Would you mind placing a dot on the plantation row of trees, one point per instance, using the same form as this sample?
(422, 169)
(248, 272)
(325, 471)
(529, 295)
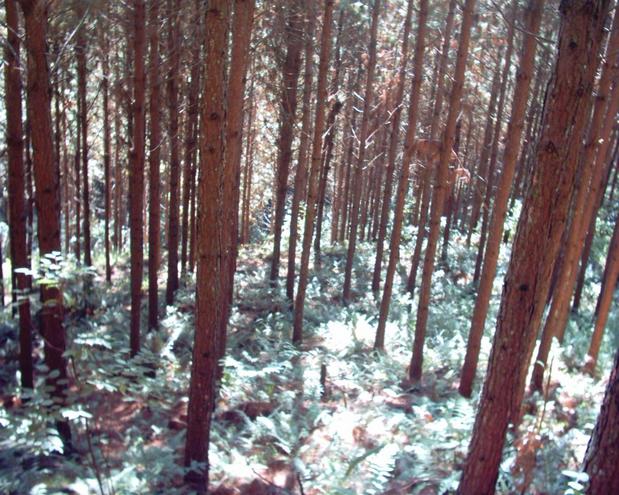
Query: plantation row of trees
(178, 124)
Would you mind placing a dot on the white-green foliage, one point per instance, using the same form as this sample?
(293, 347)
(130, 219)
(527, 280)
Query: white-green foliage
(366, 432)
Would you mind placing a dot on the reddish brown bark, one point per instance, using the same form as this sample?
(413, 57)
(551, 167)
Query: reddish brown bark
(154, 212)
(300, 179)
(191, 136)
(312, 196)
(440, 189)
(602, 457)
(47, 199)
(210, 246)
(241, 36)
(510, 156)
(174, 139)
(16, 188)
(136, 174)
(288, 107)
(605, 300)
(357, 186)
(107, 151)
(81, 49)
(409, 148)
(589, 185)
(536, 243)
(420, 216)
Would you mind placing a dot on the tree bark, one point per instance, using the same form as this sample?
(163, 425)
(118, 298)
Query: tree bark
(392, 152)
(81, 49)
(312, 196)
(47, 199)
(536, 243)
(16, 188)
(605, 300)
(154, 154)
(363, 135)
(210, 243)
(602, 457)
(300, 178)
(438, 197)
(175, 166)
(590, 183)
(510, 157)
(288, 108)
(409, 148)
(136, 174)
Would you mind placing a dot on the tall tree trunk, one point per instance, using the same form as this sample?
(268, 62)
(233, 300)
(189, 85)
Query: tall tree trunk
(288, 107)
(438, 197)
(210, 245)
(312, 195)
(175, 167)
(423, 199)
(47, 198)
(605, 300)
(16, 188)
(300, 178)
(136, 173)
(191, 137)
(590, 183)
(154, 218)
(510, 157)
(392, 152)
(241, 36)
(107, 152)
(324, 175)
(602, 457)
(586, 250)
(363, 135)
(498, 127)
(536, 244)
(409, 148)
(81, 49)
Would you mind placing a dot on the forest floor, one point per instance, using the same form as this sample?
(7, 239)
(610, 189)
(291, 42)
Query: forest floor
(330, 417)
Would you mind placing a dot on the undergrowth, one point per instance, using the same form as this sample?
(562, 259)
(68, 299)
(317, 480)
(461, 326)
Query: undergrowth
(331, 416)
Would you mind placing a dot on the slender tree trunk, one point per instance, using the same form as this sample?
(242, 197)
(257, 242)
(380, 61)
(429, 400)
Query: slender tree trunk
(154, 218)
(249, 163)
(312, 196)
(47, 199)
(288, 108)
(241, 36)
(363, 135)
(423, 199)
(536, 243)
(409, 148)
(605, 300)
(81, 48)
(210, 246)
(107, 152)
(78, 187)
(479, 183)
(175, 167)
(324, 176)
(510, 157)
(191, 138)
(586, 250)
(438, 197)
(16, 187)
(498, 127)
(301, 174)
(136, 174)
(602, 457)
